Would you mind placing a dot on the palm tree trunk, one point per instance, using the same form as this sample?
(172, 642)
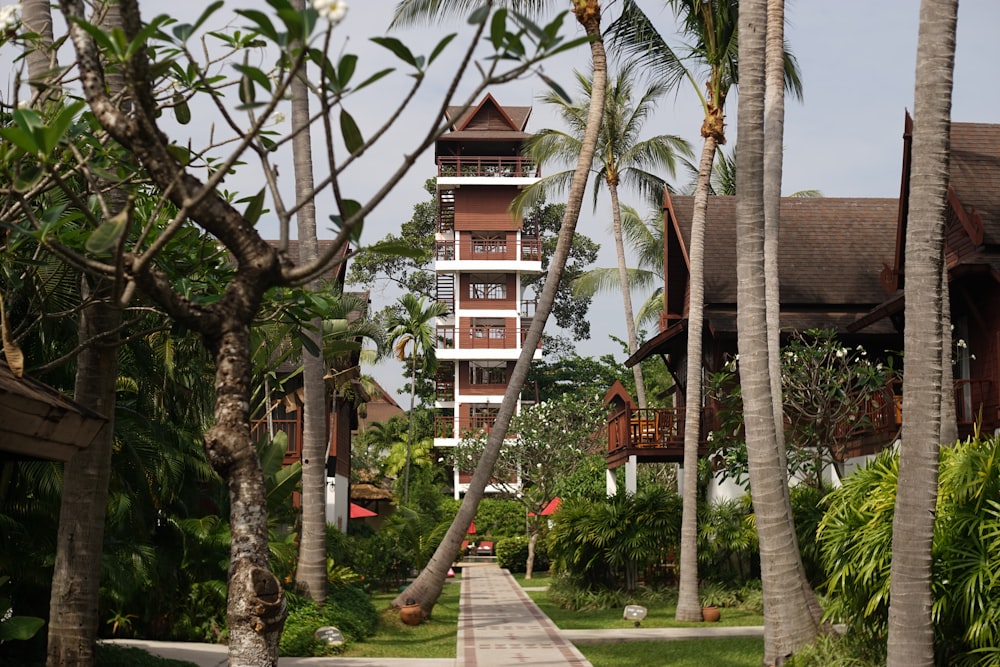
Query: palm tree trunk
(310, 574)
(409, 432)
(911, 632)
(426, 588)
(688, 602)
(788, 623)
(76, 577)
(774, 131)
(949, 420)
(36, 17)
(633, 339)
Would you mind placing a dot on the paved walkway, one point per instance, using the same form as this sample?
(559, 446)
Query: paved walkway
(498, 626)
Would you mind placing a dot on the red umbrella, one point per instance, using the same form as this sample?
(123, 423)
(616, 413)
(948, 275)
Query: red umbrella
(550, 508)
(359, 512)
(472, 529)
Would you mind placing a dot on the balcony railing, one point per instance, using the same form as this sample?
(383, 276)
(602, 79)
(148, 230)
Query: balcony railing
(484, 337)
(527, 249)
(450, 427)
(509, 167)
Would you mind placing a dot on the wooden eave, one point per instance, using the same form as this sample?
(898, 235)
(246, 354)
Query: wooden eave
(40, 423)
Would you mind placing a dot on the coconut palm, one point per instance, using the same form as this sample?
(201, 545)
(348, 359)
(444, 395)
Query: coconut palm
(413, 326)
(621, 159)
(789, 623)
(645, 239)
(712, 56)
(911, 634)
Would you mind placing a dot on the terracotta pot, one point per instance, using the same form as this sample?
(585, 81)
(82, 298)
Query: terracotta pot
(411, 614)
(710, 614)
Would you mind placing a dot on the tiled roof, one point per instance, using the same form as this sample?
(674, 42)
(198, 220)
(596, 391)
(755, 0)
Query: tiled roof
(975, 172)
(831, 250)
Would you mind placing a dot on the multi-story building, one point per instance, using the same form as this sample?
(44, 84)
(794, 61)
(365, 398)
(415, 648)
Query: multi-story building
(483, 252)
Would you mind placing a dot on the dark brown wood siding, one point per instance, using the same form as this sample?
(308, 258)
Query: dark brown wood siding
(485, 207)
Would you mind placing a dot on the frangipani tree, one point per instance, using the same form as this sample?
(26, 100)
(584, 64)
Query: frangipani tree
(548, 442)
(163, 76)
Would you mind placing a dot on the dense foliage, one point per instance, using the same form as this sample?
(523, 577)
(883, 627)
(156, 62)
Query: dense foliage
(855, 538)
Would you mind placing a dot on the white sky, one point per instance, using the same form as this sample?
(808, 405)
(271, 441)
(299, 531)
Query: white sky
(857, 61)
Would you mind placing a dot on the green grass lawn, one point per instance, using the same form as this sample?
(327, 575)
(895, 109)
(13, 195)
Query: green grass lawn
(437, 637)
(728, 652)
(434, 638)
(611, 619)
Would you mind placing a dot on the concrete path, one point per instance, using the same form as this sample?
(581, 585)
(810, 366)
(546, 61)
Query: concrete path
(498, 626)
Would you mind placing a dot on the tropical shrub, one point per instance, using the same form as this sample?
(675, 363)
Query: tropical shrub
(855, 540)
(727, 541)
(497, 517)
(512, 554)
(607, 543)
(565, 592)
(348, 608)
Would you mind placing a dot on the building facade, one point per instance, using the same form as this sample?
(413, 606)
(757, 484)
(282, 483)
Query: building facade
(483, 250)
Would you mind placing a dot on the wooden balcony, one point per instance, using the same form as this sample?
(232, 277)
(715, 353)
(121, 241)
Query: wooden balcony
(446, 426)
(499, 166)
(485, 337)
(527, 249)
(652, 435)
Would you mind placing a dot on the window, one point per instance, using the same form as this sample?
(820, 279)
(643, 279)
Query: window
(487, 372)
(489, 243)
(488, 286)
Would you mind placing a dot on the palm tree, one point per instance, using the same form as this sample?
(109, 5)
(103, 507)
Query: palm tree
(426, 588)
(645, 239)
(713, 28)
(621, 159)
(911, 633)
(310, 574)
(412, 326)
(788, 620)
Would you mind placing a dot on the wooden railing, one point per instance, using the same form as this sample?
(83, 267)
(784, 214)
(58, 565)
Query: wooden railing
(509, 167)
(450, 427)
(484, 337)
(527, 249)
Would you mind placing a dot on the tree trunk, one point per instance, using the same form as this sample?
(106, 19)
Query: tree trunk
(75, 595)
(774, 132)
(310, 573)
(949, 419)
(529, 566)
(256, 607)
(911, 632)
(76, 578)
(36, 17)
(688, 600)
(788, 623)
(633, 339)
(426, 588)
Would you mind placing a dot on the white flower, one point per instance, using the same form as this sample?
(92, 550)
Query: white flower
(960, 343)
(10, 17)
(279, 118)
(841, 353)
(333, 11)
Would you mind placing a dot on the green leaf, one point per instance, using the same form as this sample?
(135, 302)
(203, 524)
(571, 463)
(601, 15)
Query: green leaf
(351, 132)
(107, 233)
(498, 28)
(479, 15)
(445, 41)
(397, 249)
(255, 74)
(182, 112)
(255, 207)
(262, 24)
(248, 93)
(20, 138)
(397, 47)
(20, 627)
(345, 70)
(308, 344)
